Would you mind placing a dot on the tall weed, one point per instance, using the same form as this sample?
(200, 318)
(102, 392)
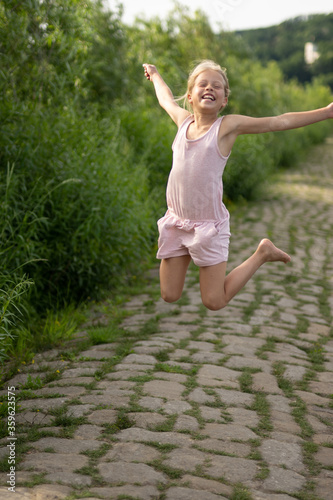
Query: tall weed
(12, 309)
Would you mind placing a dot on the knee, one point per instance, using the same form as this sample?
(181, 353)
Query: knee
(169, 296)
(214, 303)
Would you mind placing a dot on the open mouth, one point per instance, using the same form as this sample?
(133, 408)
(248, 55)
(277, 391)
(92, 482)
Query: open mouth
(208, 97)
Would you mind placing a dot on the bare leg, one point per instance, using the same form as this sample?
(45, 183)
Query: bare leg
(172, 277)
(217, 290)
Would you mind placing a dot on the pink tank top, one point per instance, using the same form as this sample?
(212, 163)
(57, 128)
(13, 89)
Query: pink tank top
(195, 186)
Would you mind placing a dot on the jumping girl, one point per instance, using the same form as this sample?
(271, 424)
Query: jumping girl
(196, 224)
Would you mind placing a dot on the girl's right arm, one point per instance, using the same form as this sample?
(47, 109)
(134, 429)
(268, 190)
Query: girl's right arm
(165, 96)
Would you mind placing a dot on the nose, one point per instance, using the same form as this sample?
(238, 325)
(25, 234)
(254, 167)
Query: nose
(209, 88)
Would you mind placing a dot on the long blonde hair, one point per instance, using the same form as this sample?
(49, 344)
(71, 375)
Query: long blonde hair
(199, 68)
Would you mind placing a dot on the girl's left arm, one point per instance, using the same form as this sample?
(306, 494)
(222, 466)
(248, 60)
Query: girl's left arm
(239, 124)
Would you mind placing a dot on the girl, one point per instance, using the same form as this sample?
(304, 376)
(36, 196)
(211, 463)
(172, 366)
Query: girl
(196, 224)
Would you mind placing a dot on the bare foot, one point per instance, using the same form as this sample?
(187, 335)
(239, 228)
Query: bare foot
(271, 253)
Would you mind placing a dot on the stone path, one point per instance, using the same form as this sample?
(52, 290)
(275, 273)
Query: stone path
(235, 404)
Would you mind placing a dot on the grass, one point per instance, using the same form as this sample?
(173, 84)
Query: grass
(62, 419)
(190, 384)
(299, 412)
(324, 305)
(171, 472)
(316, 355)
(283, 383)
(41, 335)
(262, 407)
(245, 381)
(162, 367)
(167, 425)
(11, 311)
(162, 447)
(250, 309)
(162, 356)
(309, 449)
(268, 346)
(122, 422)
(32, 383)
(241, 492)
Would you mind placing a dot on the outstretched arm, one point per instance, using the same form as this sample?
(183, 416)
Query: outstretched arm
(287, 121)
(165, 96)
(234, 125)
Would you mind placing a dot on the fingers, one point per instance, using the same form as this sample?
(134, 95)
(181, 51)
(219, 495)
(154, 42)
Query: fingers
(145, 66)
(149, 69)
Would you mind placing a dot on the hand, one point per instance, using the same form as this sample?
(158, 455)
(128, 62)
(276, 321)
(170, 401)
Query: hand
(149, 69)
(330, 110)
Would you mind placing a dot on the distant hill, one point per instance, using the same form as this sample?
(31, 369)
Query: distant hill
(285, 44)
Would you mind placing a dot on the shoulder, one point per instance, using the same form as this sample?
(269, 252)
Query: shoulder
(185, 119)
(229, 123)
(182, 127)
(234, 125)
(183, 116)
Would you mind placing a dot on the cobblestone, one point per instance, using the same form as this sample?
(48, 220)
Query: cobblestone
(211, 400)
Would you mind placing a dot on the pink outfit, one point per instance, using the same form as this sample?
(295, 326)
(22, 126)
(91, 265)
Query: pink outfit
(197, 221)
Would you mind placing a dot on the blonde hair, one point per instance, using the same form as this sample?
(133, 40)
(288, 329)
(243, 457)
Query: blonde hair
(207, 64)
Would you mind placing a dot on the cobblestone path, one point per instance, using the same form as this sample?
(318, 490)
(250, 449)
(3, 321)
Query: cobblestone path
(235, 404)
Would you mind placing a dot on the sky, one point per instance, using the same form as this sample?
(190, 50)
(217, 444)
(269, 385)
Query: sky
(229, 15)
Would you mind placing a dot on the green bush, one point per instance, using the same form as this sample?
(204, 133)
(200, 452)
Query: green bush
(248, 167)
(151, 133)
(78, 210)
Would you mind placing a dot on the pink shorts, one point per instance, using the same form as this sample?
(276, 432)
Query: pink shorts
(207, 242)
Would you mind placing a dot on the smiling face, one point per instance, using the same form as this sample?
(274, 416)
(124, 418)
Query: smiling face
(208, 92)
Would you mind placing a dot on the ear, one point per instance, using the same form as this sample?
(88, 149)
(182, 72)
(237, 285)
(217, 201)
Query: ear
(225, 102)
(189, 98)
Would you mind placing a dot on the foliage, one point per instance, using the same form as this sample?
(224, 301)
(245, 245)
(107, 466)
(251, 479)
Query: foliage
(285, 44)
(53, 51)
(73, 197)
(248, 168)
(43, 47)
(87, 207)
